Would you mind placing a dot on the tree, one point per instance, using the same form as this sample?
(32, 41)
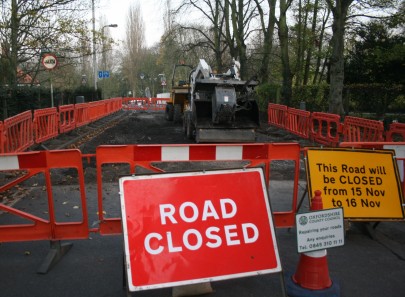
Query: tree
(29, 27)
(268, 33)
(378, 56)
(285, 58)
(134, 47)
(340, 11)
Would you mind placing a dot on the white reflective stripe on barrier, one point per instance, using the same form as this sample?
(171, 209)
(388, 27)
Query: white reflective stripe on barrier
(175, 153)
(9, 163)
(229, 152)
(399, 153)
(316, 254)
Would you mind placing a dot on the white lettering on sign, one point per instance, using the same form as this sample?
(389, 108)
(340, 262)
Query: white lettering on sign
(189, 213)
(193, 239)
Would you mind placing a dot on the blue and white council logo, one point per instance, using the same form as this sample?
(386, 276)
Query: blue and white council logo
(303, 220)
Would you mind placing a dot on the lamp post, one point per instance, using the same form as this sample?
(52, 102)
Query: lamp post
(142, 77)
(104, 58)
(94, 47)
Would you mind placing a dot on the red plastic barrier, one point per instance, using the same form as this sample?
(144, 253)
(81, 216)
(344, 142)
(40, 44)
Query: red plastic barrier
(362, 130)
(147, 156)
(298, 122)
(97, 110)
(82, 114)
(277, 115)
(136, 104)
(46, 124)
(118, 104)
(67, 118)
(158, 104)
(396, 132)
(325, 128)
(18, 132)
(113, 105)
(38, 227)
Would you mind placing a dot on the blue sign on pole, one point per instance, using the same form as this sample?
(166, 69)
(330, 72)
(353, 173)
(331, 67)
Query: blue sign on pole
(103, 74)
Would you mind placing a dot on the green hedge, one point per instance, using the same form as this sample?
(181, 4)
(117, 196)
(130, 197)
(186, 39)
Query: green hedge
(31, 98)
(370, 98)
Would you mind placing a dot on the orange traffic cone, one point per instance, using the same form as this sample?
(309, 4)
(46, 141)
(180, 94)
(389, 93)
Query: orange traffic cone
(312, 272)
(312, 275)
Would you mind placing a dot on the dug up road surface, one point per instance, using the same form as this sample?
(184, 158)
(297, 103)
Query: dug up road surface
(364, 266)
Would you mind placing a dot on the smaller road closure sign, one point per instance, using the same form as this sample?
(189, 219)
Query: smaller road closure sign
(321, 229)
(365, 183)
(187, 228)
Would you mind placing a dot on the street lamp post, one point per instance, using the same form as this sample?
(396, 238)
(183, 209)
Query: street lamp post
(94, 48)
(104, 58)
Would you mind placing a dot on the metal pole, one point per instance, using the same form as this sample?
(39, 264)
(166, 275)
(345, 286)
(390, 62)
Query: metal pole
(50, 74)
(94, 48)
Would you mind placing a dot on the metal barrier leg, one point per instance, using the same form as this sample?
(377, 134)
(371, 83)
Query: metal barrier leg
(57, 251)
(302, 198)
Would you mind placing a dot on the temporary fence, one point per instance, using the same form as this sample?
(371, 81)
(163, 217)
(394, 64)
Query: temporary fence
(362, 130)
(46, 124)
(158, 103)
(67, 119)
(396, 132)
(277, 115)
(36, 227)
(298, 122)
(82, 114)
(144, 104)
(153, 158)
(18, 132)
(327, 128)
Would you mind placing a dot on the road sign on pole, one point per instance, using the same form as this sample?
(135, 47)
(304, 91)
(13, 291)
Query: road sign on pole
(49, 61)
(177, 234)
(103, 74)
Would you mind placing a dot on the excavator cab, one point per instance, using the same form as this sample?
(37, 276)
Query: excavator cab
(179, 95)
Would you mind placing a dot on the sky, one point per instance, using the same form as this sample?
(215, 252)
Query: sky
(115, 12)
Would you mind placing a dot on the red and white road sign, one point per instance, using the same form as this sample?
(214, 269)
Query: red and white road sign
(195, 227)
(49, 61)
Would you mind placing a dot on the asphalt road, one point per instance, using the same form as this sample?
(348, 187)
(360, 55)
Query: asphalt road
(364, 266)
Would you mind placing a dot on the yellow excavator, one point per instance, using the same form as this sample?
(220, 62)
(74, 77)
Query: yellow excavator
(179, 93)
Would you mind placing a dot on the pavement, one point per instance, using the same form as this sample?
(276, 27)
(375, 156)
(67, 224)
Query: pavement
(364, 266)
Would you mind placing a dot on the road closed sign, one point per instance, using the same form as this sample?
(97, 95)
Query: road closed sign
(187, 228)
(365, 183)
